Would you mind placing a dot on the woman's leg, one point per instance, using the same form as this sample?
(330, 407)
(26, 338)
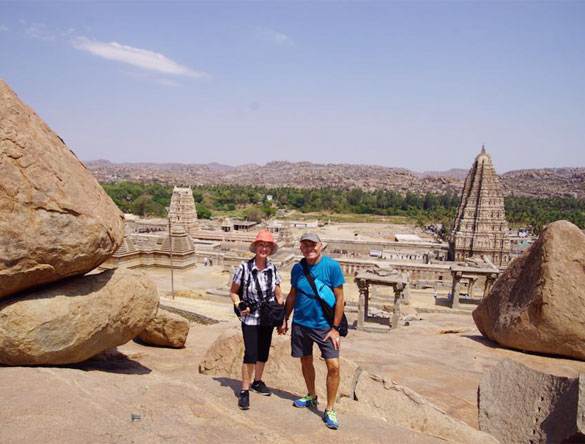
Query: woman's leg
(264, 341)
(250, 334)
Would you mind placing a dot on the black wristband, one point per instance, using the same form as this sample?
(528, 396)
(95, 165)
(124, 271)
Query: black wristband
(335, 327)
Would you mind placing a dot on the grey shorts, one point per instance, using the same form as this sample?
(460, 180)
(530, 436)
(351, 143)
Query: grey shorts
(302, 339)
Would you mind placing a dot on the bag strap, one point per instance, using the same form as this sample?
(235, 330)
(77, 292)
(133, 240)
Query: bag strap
(311, 280)
(259, 288)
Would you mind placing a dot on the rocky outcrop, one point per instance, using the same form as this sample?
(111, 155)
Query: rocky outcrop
(359, 391)
(398, 405)
(75, 319)
(518, 404)
(166, 329)
(538, 303)
(61, 222)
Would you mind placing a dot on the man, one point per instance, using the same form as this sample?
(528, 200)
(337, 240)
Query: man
(309, 324)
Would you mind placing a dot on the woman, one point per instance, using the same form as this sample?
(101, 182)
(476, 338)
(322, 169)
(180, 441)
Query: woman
(254, 281)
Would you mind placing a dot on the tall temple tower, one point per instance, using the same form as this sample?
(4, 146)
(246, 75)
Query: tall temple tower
(480, 226)
(182, 210)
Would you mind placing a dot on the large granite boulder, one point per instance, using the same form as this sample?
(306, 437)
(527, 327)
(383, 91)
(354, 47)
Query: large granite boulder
(538, 303)
(166, 329)
(56, 220)
(518, 404)
(75, 319)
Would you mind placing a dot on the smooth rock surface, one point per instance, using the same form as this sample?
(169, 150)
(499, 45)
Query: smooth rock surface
(401, 406)
(538, 303)
(56, 220)
(518, 404)
(95, 401)
(166, 329)
(359, 391)
(75, 319)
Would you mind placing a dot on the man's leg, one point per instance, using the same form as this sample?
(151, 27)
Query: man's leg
(332, 381)
(309, 374)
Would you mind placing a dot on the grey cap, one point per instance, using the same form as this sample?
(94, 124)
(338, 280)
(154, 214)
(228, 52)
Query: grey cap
(310, 237)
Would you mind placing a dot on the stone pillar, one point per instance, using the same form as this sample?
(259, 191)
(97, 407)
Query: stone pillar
(455, 290)
(489, 281)
(398, 289)
(362, 302)
(406, 292)
(470, 287)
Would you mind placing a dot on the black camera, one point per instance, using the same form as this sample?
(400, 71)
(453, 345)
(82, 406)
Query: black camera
(248, 303)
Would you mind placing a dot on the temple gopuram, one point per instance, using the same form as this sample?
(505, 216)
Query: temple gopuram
(480, 227)
(182, 209)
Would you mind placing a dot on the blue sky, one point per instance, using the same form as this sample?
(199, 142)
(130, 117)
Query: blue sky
(419, 85)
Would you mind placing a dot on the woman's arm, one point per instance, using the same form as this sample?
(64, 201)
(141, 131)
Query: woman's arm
(278, 295)
(235, 288)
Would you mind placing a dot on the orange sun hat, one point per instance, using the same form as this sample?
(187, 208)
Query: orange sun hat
(264, 236)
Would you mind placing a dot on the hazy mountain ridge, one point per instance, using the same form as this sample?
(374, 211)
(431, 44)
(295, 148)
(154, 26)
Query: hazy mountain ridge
(547, 182)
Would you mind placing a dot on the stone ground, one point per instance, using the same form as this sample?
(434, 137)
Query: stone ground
(441, 357)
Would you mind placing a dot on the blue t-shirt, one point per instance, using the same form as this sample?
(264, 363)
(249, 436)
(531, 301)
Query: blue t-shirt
(308, 311)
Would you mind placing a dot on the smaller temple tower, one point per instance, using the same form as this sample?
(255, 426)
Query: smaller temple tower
(480, 227)
(182, 210)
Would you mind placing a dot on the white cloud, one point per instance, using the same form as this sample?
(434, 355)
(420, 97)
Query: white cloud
(275, 37)
(142, 58)
(37, 31)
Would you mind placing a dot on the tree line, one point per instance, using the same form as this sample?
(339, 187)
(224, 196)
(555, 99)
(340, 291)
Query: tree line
(257, 202)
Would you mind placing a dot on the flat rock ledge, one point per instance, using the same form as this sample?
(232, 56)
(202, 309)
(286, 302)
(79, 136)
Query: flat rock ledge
(359, 391)
(72, 320)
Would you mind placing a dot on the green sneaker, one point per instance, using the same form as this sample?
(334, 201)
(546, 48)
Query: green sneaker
(305, 401)
(330, 419)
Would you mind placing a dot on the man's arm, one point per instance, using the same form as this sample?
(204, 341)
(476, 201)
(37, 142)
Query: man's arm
(339, 305)
(334, 334)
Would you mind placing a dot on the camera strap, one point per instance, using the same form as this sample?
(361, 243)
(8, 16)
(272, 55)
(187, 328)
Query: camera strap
(245, 279)
(259, 288)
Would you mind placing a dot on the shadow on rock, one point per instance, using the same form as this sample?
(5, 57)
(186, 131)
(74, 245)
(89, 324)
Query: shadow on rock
(483, 340)
(235, 385)
(112, 361)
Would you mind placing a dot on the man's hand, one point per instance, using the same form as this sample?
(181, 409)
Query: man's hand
(335, 338)
(283, 328)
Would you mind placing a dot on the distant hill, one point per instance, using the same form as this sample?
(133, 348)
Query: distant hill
(549, 182)
(456, 173)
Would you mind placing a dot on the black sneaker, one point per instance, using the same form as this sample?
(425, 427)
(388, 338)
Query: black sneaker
(260, 388)
(244, 401)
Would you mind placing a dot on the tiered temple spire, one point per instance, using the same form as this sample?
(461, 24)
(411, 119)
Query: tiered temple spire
(480, 227)
(182, 210)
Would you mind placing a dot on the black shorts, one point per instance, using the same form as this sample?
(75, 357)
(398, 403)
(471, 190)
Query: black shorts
(257, 339)
(302, 339)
